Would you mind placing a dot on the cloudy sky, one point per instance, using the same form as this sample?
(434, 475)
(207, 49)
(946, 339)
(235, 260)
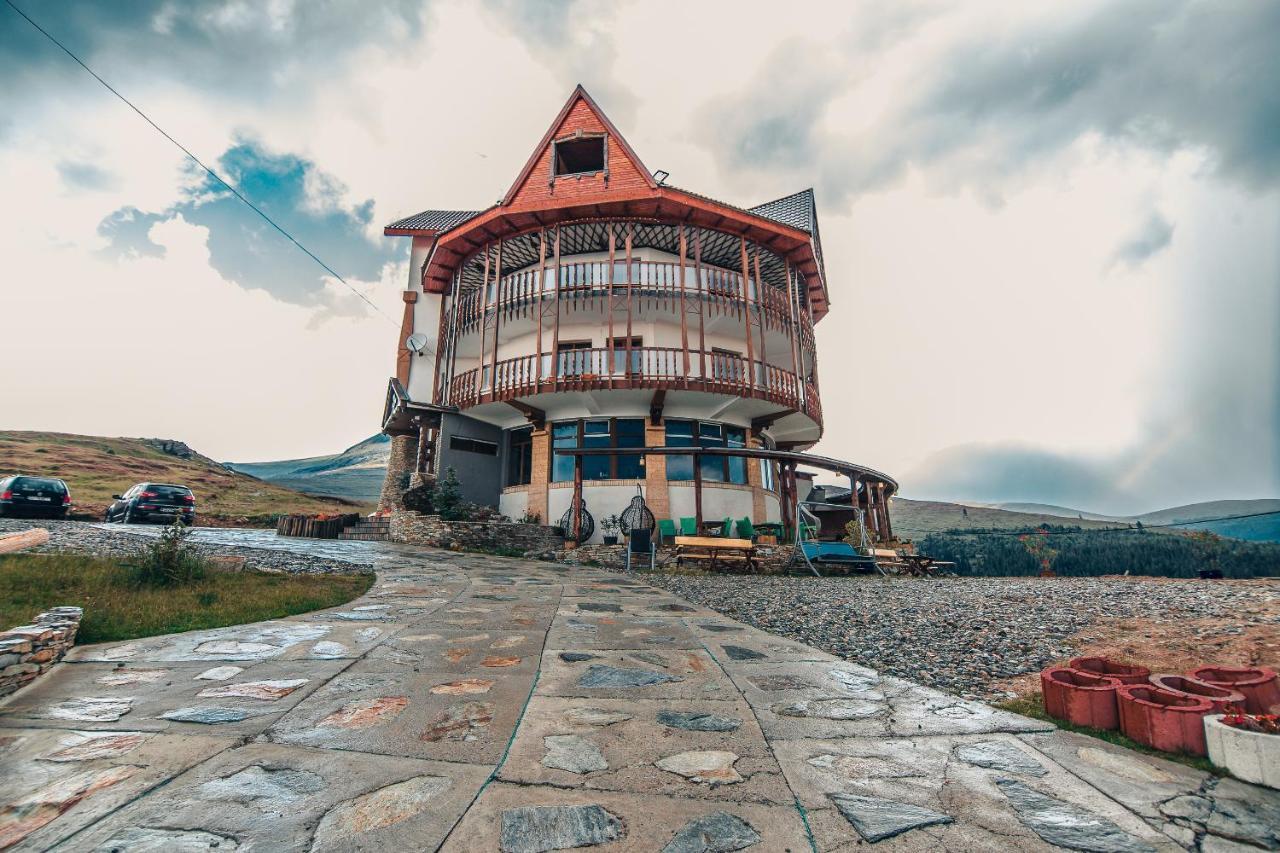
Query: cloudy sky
(1050, 229)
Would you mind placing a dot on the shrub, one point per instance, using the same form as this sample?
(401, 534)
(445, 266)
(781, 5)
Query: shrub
(448, 497)
(419, 499)
(167, 561)
(530, 518)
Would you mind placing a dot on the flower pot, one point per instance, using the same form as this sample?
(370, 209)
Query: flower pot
(1125, 673)
(1080, 697)
(1221, 697)
(610, 540)
(1259, 685)
(1163, 719)
(1251, 756)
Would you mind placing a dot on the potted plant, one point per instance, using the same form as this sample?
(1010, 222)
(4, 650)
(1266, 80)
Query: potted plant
(609, 527)
(1248, 745)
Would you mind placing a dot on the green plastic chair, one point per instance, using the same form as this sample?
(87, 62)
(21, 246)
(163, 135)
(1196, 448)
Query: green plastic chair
(727, 530)
(746, 530)
(666, 529)
(688, 527)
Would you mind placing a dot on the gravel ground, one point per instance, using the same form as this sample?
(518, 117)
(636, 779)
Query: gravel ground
(84, 538)
(962, 635)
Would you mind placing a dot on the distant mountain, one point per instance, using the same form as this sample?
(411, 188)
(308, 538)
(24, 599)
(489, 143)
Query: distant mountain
(1198, 516)
(914, 519)
(354, 474)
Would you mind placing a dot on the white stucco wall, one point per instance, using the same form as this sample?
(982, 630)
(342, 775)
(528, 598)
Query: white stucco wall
(514, 503)
(426, 320)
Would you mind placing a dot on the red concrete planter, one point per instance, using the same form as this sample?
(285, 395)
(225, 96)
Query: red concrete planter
(1221, 697)
(1163, 719)
(1260, 687)
(1125, 673)
(1080, 697)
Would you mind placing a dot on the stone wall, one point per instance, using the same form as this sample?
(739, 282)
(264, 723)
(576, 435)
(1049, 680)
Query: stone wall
(27, 651)
(414, 528)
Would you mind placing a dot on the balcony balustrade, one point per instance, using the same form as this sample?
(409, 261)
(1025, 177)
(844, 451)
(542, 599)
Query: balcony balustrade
(649, 280)
(639, 367)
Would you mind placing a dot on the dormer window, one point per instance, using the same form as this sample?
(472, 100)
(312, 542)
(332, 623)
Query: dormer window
(581, 155)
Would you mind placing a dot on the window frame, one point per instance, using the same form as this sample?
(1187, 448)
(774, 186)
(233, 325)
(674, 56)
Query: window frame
(733, 470)
(579, 138)
(613, 458)
(519, 467)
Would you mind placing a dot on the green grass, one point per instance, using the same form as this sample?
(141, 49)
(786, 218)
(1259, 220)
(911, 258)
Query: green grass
(1033, 706)
(116, 610)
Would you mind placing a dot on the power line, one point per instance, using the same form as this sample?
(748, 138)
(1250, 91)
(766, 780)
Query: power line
(199, 163)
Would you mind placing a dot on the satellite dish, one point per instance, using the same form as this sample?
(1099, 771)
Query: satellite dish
(416, 342)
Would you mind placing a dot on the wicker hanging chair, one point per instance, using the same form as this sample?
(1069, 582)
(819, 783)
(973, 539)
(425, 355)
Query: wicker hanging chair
(588, 523)
(637, 515)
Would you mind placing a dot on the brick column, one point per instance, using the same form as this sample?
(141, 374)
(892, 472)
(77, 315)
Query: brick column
(656, 495)
(539, 474)
(756, 480)
(400, 464)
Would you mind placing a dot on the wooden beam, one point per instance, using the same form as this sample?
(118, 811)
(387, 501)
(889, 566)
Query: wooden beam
(765, 421)
(656, 405)
(532, 414)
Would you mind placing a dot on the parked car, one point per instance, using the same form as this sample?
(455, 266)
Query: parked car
(153, 502)
(32, 496)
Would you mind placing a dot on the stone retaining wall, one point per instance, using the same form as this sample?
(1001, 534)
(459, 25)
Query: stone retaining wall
(414, 528)
(27, 651)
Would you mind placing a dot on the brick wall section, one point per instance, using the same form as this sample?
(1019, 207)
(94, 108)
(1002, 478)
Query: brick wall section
(400, 464)
(756, 480)
(539, 474)
(413, 528)
(27, 651)
(655, 472)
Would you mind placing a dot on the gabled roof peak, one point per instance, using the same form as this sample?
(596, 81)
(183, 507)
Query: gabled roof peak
(580, 112)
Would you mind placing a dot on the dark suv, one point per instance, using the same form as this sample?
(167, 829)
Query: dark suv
(153, 502)
(44, 496)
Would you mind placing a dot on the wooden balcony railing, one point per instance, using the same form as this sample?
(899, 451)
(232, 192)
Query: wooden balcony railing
(639, 367)
(662, 280)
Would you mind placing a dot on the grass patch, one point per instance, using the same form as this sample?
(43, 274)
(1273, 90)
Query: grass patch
(1033, 706)
(117, 609)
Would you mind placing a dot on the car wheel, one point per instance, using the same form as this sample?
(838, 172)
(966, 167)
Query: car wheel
(127, 518)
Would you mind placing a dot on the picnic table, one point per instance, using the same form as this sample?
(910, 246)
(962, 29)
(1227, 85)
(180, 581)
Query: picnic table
(716, 551)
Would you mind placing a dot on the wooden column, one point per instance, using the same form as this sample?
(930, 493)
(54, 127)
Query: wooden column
(497, 315)
(702, 307)
(760, 315)
(794, 329)
(555, 334)
(746, 312)
(684, 317)
(608, 306)
(888, 524)
(697, 491)
(484, 324)
(576, 505)
(542, 274)
(626, 366)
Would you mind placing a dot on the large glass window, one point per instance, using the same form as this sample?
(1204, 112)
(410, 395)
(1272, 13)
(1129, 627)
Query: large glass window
(599, 433)
(563, 435)
(520, 456)
(716, 469)
(680, 434)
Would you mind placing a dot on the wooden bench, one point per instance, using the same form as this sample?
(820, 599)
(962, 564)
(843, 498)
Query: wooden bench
(716, 551)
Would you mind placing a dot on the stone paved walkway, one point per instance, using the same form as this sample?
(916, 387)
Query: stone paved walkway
(473, 703)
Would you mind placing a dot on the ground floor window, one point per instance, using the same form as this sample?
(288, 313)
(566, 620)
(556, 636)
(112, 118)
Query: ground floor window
(520, 456)
(598, 433)
(716, 469)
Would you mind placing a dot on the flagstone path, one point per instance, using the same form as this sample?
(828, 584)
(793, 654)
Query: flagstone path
(475, 703)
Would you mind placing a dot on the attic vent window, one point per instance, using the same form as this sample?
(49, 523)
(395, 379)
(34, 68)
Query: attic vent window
(580, 156)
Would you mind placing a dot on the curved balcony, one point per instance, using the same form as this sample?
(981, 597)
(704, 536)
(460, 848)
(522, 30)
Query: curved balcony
(722, 291)
(671, 368)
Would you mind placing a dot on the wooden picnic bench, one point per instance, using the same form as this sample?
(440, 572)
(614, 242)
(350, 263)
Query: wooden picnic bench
(716, 551)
